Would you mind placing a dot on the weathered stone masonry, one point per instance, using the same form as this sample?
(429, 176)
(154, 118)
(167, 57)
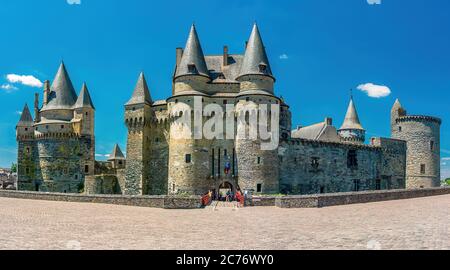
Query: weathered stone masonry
(56, 149)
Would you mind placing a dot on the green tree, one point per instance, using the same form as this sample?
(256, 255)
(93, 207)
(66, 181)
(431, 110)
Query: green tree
(447, 181)
(14, 167)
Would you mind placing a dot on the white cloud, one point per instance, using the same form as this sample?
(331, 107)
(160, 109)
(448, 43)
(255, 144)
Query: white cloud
(27, 80)
(375, 91)
(374, 2)
(8, 87)
(74, 2)
(18, 112)
(284, 56)
(446, 159)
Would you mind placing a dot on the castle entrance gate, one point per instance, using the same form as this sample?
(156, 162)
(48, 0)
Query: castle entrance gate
(224, 188)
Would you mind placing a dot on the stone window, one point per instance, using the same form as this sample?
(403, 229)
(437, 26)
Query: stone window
(259, 188)
(188, 158)
(258, 160)
(378, 184)
(62, 126)
(352, 159)
(26, 129)
(86, 168)
(423, 169)
(431, 145)
(262, 68)
(46, 127)
(225, 102)
(225, 153)
(356, 185)
(247, 99)
(28, 150)
(315, 162)
(27, 170)
(192, 68)
(120, 162)
(399, 129)
(173, 187)
(322, 189)
(76, 176)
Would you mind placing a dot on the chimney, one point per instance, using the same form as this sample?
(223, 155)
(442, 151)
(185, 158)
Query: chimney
(36, 107)
(179, 55)
(46, 92)
(225, 55)
(329, 121)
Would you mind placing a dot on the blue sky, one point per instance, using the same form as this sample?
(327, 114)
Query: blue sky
(319, 49)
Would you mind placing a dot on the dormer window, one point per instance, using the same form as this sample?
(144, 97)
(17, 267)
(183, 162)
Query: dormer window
(192, 68)
(262, 68)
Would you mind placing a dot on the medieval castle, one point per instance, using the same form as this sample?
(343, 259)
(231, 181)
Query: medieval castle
(56, 149)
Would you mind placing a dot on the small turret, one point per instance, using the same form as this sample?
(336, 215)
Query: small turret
(84, 112)
(255, 73)
(25, 124)
(397, 111)
(117, 158)
(84, 99)
(352, 130)
(141, 93)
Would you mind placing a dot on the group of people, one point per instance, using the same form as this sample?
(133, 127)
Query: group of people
(227, 195)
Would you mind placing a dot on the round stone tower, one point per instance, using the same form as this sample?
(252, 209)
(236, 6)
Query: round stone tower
(422, 134)
(189, 156)
(258, 168)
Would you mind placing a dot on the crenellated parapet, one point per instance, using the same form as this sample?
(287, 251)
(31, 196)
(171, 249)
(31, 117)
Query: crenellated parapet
(419, 118)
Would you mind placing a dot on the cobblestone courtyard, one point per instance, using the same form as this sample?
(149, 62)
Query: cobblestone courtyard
(422, 223)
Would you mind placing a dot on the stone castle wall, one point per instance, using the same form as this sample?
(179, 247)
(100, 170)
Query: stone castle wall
(54, 164)
(310, 167)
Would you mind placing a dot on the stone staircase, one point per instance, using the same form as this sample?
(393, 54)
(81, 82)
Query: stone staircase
(222, 206)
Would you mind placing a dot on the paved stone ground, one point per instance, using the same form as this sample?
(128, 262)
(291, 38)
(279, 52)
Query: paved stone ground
(422, 223)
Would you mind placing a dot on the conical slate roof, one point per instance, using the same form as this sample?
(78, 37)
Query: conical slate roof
(192, 55)
(116, 153)
(84, 99)
(26, 119)
(62, 94)
(255, 55)
(351, 120)
(397, 103)
(141, 92)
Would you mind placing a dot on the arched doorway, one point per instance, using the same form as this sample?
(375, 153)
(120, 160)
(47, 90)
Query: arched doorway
(224, 189)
